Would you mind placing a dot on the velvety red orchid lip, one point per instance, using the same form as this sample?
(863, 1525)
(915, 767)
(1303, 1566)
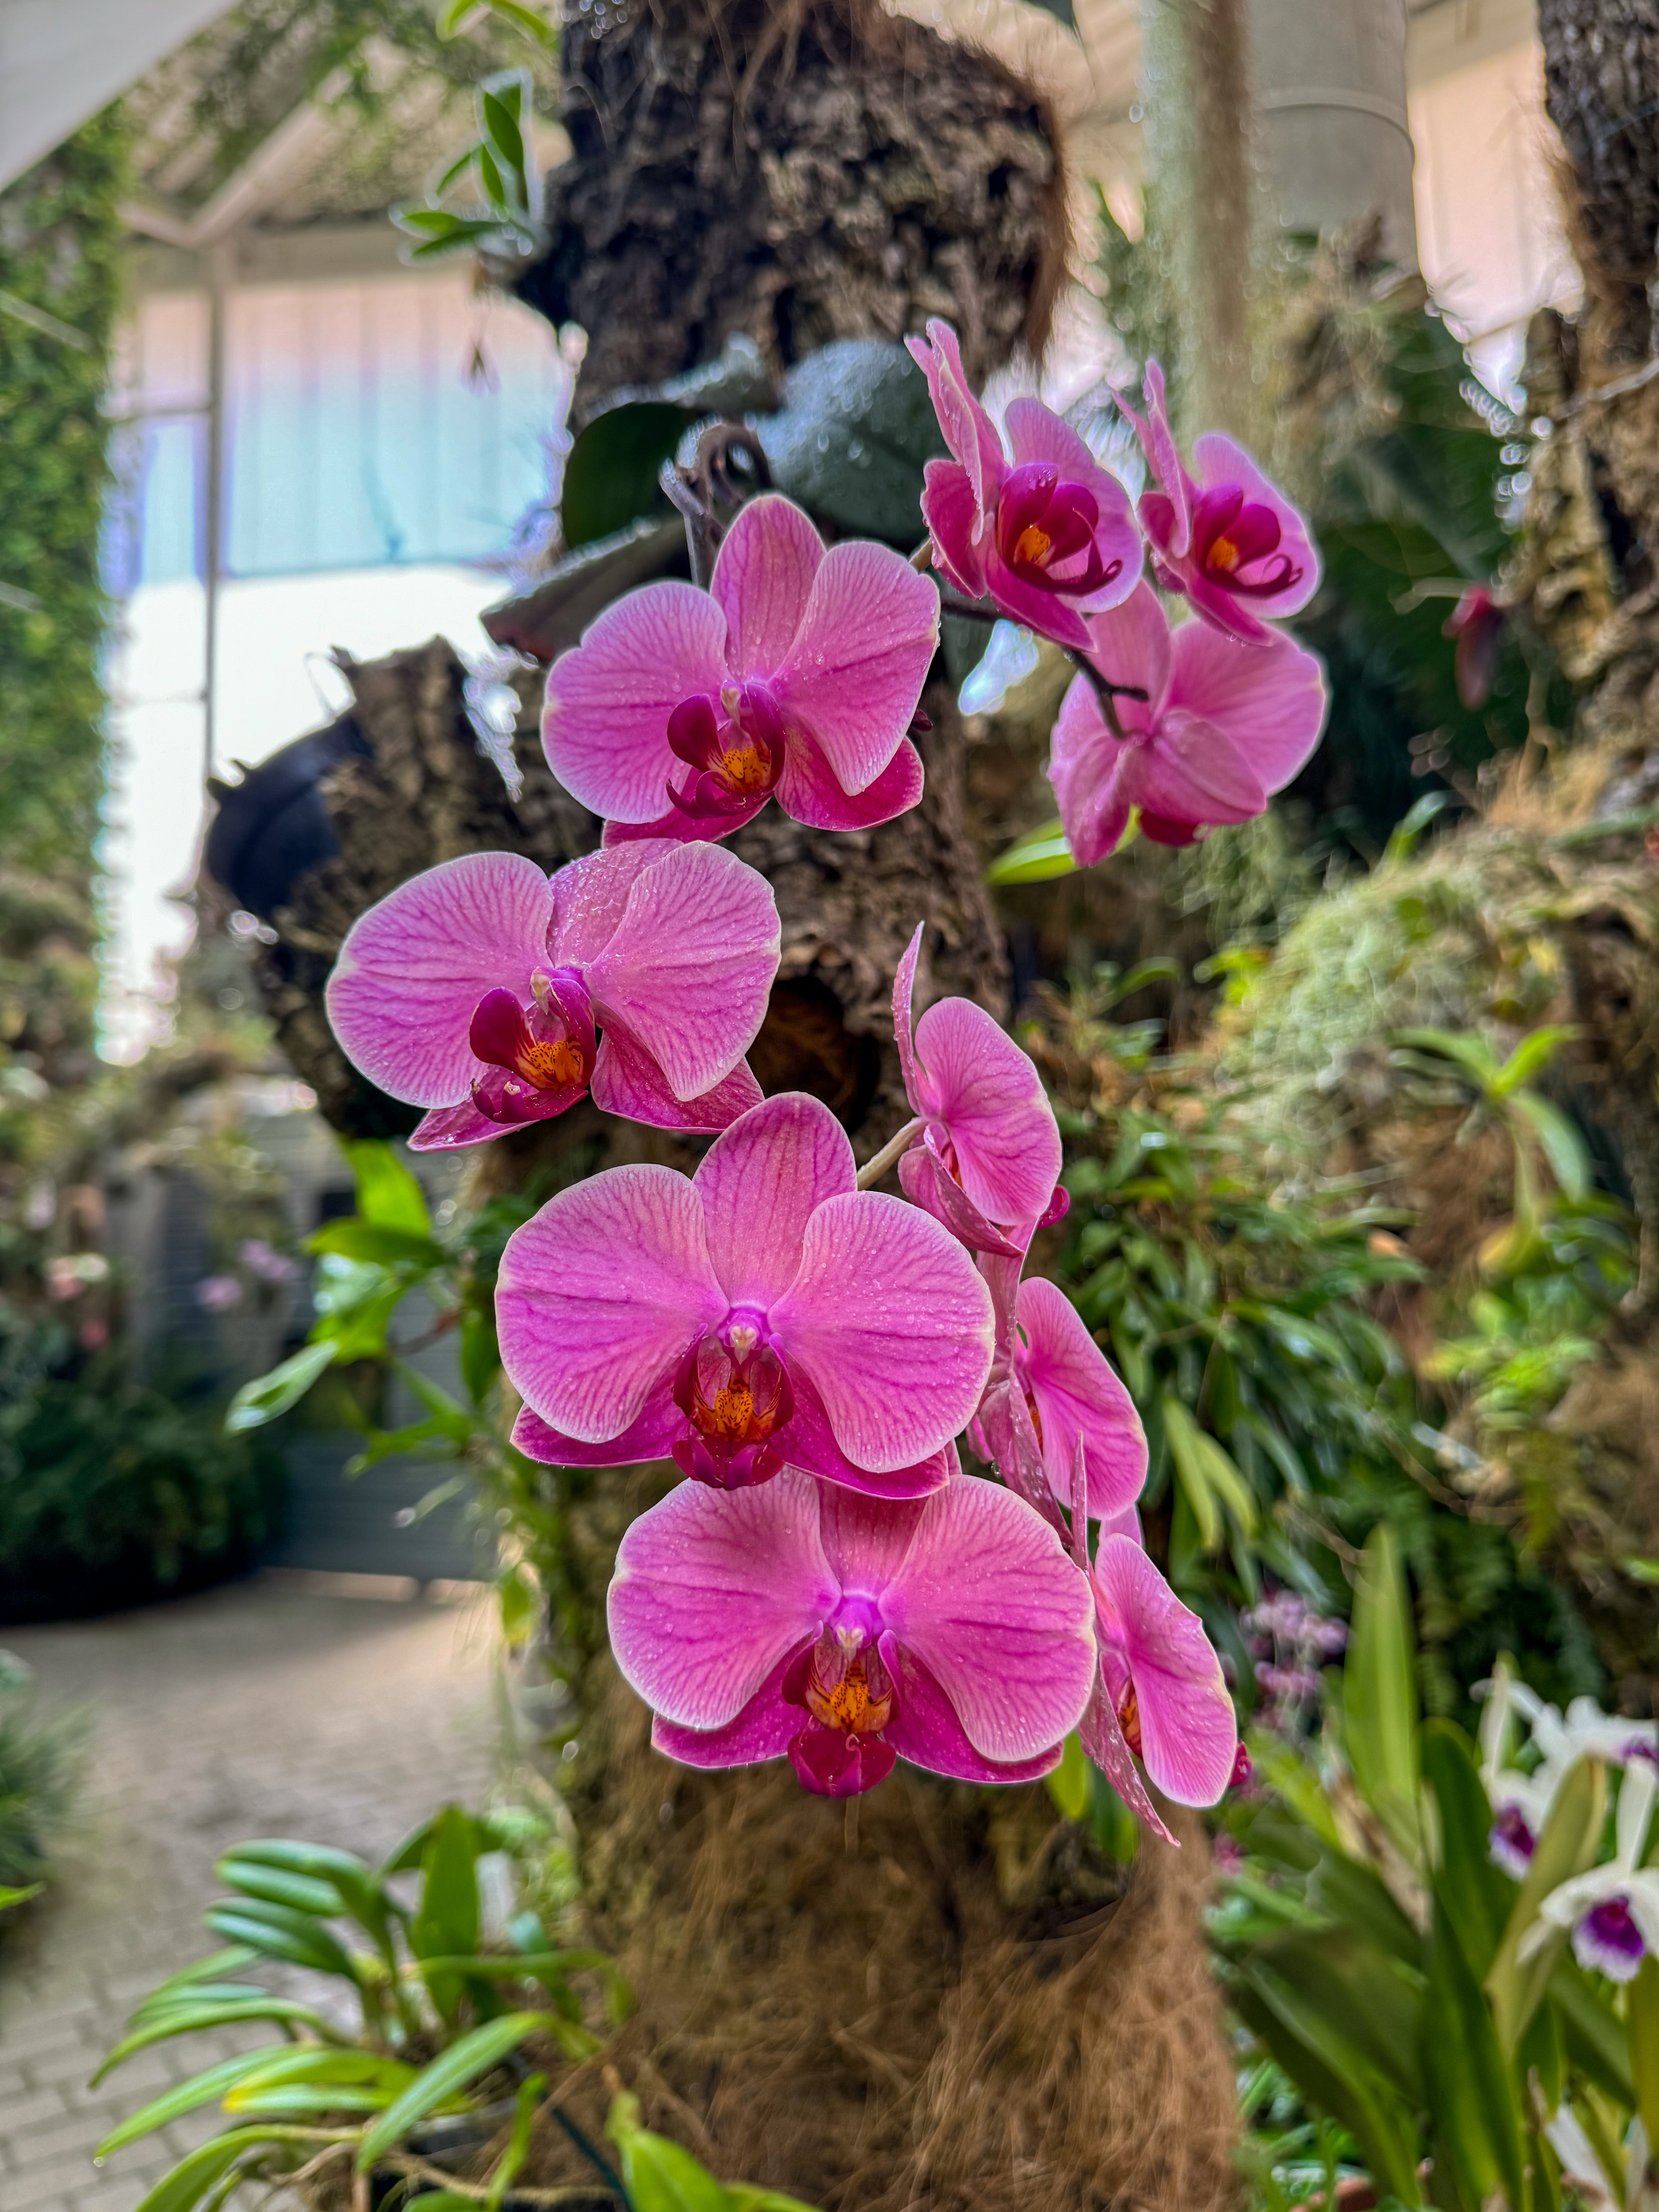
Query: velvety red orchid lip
(735, 1393)
(1232, 535)
(851, 1698)
(734, 746)
(538, 1060)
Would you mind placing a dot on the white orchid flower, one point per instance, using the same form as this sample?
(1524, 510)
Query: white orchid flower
(1613, 1910)
(1522, 1800)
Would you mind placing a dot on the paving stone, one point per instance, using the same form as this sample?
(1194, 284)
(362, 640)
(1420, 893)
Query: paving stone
(268, 1708)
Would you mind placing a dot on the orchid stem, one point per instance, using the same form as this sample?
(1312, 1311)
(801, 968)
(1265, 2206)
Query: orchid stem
(1106, 692)
(969, 611)
(872, 1171)
(922, 559)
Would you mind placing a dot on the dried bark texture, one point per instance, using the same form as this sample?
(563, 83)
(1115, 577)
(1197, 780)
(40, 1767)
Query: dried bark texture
(1601, 76)
(423, 791)
(798, 170)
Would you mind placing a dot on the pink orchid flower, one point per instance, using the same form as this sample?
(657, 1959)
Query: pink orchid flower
(795, 675)
(1159, 1694)
(1223, 726)
(765, 1309)
(480, 988)
(988, 1160)
(1230, 541)
(805, 1621)
(1051, 536)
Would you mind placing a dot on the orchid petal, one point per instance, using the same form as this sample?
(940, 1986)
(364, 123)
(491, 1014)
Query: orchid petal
(809, 1444)
(691, 966)
(890, 1320)
(1270, 698)
(412, 969)
(599, 1295)
(904, 983)
(989, 1096)
(1080, 1403)
(926, 1729)
(1047, 612)
(653, 1437)
(986, 1599)
(446, 1128)
(590, 897)
(927, 1183)
(604, 728)
(1219, 461)
(762, 1730)
(1102, 1739)
(628, 1081)
(969, 430)
(1188, 1732)
(763, 579)
(760, 1184)
(1192, 772)
(855, 673)
(952, 515)
(808, 792)
(713, 1589)
(1131, 645)
(1086, 766)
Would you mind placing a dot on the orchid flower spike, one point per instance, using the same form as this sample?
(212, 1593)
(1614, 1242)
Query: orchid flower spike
(805, 1621)
(1221, 727)
(763, 1310)
(1613, 1910)
(795, 675)
(1159, 1693)
(987, 1158)
(493, 996)
(1050, 536)
(1230, 541)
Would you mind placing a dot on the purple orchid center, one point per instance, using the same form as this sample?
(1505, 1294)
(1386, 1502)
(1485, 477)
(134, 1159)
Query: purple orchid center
(850, 1697)
(734, 1391)
(733, 745)
(1511, 1842)
(1046, 532)
(1607, 1939)
(538, 1060)
(1232, 535)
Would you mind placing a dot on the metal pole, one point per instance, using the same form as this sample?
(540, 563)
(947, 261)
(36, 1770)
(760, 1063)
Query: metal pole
(221, 266)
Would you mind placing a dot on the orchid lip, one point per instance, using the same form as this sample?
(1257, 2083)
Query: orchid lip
(537, 1060)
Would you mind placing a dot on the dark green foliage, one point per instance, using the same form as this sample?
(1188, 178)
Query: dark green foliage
(113, 1489)
(59, 253)
(39, 1763)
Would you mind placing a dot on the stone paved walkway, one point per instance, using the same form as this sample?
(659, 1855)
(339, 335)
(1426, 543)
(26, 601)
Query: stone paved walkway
(282, 1706)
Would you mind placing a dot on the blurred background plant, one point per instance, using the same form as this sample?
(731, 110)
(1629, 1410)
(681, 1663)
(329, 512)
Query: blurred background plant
(41, 1758)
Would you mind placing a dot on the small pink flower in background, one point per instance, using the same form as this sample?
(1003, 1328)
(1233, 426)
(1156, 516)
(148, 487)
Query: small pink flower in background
(1477, 623)
(474, 989)
(218, 1293)
(988, 1160)
(805, 1621)
(763, 1310)
(1222, 727)
(92, 1334)
(1230, 540)
(261, 1258)
(795, 675)
(1050, 537)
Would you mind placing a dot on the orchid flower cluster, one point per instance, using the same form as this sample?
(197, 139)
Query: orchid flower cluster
(1612, 1909)
(827, 1585)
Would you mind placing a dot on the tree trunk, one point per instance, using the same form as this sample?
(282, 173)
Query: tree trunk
(797, 170)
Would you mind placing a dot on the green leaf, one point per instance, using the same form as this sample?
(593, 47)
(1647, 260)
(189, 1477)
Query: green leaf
(270, 1395)
(474, 2054)
(1328, 2071)
(1359, 1991)
(853, 436)
(1532, 1055)
(1471, 2092)
(190, 2180)
(277, 1931)
(521, 1609)
(1642, 2025)
(1476, 1896)
(304, 2100)
(186, 2019)
(500, 128)
(1071, 1785)
(1559, 1138)
(1379, 1691)
(355, 1239)
(527, 21)
(275, 1884)
(1571, 1840)
(204, 2088)
(1191, 1470)
(359, 1888)
(452, 16)
(518, 2147)
(10, 1897)
(481, 1356)
(1036, 858)
(1342, 1890)
(387, 1193)
(610, 473)
(445, 1922)
(1594, 2035)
